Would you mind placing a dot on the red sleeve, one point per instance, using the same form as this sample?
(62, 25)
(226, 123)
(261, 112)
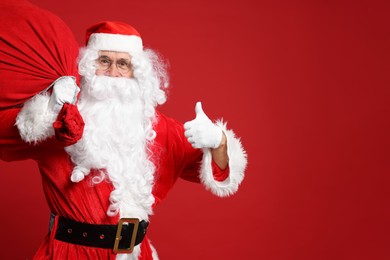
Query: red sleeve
(9, 134)
(12, 147)
(219, 175)
(188, 158)
(191, 161)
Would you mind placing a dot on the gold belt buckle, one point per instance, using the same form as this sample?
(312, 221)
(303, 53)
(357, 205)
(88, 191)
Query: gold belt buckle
(118, 237)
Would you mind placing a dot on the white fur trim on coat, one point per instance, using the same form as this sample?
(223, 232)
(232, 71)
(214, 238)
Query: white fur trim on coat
(154, 252)
(237, 165)
(136, 253)
(35, 120)
(132, 256)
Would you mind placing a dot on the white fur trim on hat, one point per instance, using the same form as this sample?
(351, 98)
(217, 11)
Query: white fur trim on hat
(35, 120)
(237, 165)
(115, 42)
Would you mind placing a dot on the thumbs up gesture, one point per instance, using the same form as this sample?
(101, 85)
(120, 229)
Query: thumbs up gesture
(201, 132)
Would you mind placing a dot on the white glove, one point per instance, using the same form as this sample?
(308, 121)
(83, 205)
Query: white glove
(201, 132)
(65, 90)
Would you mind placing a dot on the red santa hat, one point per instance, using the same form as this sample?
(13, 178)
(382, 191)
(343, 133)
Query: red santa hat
(114, 36)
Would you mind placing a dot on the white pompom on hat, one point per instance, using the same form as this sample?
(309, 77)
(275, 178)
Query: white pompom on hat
(114, 36)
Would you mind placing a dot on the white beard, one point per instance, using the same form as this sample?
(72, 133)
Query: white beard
(115, 140)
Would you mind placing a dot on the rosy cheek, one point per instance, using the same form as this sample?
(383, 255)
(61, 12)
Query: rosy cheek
(99, 73)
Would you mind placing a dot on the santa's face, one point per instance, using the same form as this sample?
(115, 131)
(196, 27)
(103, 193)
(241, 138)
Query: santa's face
(114, 64)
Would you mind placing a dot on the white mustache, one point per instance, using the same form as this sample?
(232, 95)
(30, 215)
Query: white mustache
(105, 87)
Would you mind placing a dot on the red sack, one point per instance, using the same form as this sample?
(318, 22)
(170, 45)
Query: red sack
(36, 48)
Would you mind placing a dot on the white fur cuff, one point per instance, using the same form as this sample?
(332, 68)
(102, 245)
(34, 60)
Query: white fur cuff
(35, 120)
(237, 165)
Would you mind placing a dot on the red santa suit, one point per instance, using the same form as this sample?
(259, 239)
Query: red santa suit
(88, 203)
(85, 202)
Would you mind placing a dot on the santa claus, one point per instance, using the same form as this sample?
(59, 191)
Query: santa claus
(107, 156)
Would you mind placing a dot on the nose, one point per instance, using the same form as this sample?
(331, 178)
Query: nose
(113, 71)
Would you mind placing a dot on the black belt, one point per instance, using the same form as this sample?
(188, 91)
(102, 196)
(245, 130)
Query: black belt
(121, 238)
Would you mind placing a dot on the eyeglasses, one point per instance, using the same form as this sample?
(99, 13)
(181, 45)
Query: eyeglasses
(123, 65)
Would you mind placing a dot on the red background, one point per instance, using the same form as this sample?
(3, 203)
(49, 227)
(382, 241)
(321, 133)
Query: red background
(306, 86)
